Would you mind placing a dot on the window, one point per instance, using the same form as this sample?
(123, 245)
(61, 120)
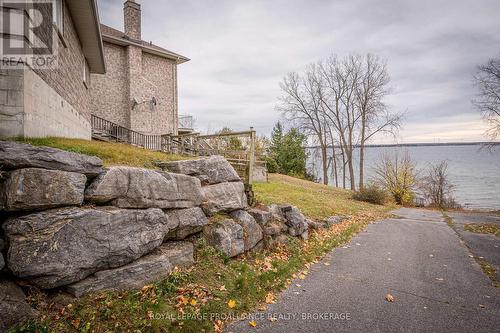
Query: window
(58, 13)
(86, 73)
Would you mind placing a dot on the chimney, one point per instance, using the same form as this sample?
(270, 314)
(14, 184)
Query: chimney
(132, 19)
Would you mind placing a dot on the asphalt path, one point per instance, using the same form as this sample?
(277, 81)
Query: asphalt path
(416, 258)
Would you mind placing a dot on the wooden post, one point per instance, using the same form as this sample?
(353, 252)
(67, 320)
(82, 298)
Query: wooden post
(251, 162)
(196, 146)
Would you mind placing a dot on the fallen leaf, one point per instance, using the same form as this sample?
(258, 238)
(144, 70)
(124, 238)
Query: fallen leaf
(252, 323)
(263, 307)
(231, 304)
(302, 276)
(481, 306)
(222, 288)
(75, 323)
(270, 298)
(273, 319)
(193, 302)
(326, 264)
(389, 298)
(218, 325)
(298, 285)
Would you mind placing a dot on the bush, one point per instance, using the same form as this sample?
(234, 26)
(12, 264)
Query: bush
(398, 175)
(372, 194)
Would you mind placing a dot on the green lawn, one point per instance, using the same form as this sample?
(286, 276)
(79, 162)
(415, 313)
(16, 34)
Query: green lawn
(314, 200)
(110, 153)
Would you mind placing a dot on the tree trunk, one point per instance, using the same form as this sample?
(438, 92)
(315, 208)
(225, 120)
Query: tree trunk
(324, 158)
(335, 173)
(343, 168)
(351, 171)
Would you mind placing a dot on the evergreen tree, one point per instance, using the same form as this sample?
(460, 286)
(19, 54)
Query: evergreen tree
(286, 152)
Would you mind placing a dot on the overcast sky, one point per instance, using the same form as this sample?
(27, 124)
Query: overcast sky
(240, 50)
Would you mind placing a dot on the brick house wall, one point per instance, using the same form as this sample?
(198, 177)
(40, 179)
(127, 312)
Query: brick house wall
(139, 89)
(134, 74)
(110, 98)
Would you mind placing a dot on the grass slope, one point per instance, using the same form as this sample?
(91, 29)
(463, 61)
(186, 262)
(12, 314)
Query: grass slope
(110, 153)
(314, 200)
(217, 289)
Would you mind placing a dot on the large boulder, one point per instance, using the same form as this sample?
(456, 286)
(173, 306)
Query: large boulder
(226, 236)
(210, 170)
(180, 254)
(260, 216)
(135, 275)
(296, 222)
(34, 189)
(152, 267)
(14, 310)
(224, 197)
(61, 246)
(185, 222)
(274, 228)
(127, 187)
(276, 213)
(252, 232)
(15, 155)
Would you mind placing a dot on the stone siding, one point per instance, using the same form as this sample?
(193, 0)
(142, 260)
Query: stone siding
(67, 79)
(56, 102)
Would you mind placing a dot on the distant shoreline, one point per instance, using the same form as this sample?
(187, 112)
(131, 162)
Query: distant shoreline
(420, 144)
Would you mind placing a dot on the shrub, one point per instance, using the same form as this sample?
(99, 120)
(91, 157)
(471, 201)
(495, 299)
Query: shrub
(437, 187)
(398, 175)
(372, 194)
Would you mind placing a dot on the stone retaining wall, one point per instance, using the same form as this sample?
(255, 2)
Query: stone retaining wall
(68, 223)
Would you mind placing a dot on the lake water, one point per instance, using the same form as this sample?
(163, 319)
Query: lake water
(474, 172)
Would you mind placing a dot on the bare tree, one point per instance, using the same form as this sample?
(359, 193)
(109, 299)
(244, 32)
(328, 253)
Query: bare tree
(339, 104)
(300, 104)
(437, 187)
(487, 80)
(375, 116)
(336, 101)
(398, 175)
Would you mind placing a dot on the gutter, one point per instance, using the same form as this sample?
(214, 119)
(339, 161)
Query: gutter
(123, 42)
(95, 12)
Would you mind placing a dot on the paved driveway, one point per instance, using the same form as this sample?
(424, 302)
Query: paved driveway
(418, 259)
(485, 246)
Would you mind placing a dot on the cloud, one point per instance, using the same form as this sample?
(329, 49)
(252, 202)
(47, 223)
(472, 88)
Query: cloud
(241, 49)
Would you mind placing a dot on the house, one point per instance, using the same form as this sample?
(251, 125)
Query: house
(55, 101)
(139, 89)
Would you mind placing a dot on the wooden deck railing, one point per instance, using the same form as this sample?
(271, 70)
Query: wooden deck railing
(239, 148)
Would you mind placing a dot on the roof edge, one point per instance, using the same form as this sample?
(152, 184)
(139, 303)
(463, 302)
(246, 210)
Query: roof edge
(85, 17)
(165, 54)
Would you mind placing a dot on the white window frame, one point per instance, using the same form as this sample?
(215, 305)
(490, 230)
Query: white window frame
(86, 73)
(58, 15)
